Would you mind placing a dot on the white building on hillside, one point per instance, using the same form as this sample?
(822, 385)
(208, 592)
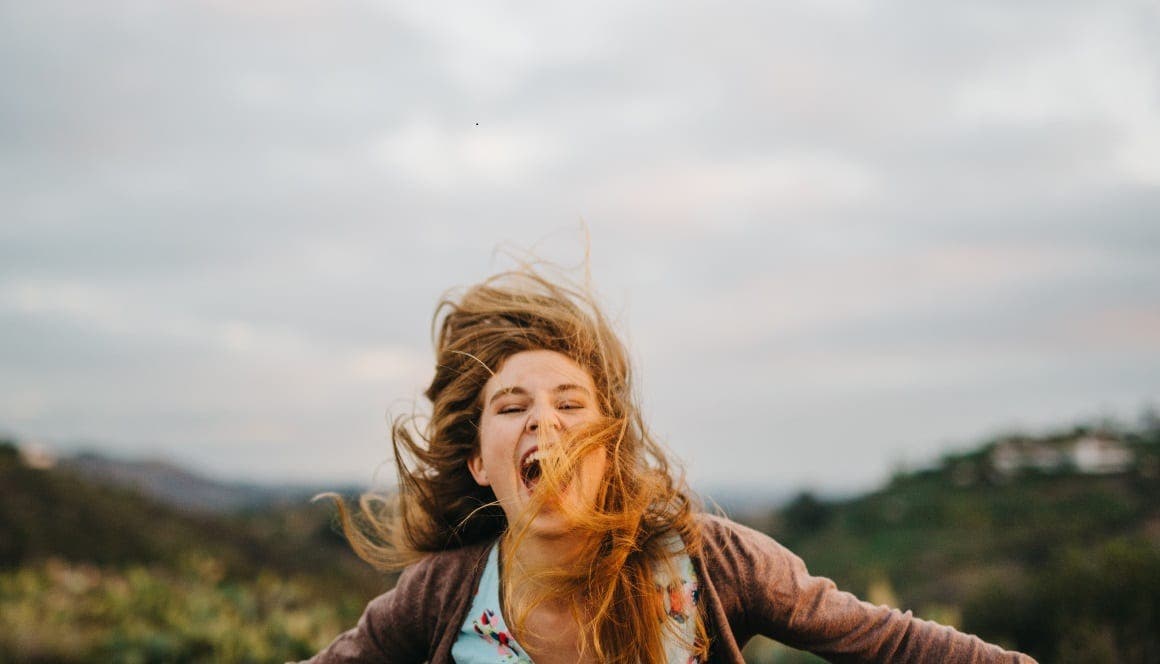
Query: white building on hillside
(1099, 455)
(1092, 454)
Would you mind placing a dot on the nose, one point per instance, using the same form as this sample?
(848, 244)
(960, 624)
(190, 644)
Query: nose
(543, 416)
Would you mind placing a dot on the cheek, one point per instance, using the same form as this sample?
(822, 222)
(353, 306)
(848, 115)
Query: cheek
(486, 430)
(595, 465)
(494, 438)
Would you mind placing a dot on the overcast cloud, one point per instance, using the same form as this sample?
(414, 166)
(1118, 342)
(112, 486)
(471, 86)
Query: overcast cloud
(840, 236)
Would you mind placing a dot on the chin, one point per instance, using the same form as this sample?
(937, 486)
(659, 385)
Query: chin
(550, 525)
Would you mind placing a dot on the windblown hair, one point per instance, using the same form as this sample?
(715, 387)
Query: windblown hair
(641, 508)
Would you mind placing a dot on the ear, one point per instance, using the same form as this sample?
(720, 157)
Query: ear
(475, 465)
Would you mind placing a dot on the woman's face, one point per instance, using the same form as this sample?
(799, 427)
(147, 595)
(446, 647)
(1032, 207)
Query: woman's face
(534, 397)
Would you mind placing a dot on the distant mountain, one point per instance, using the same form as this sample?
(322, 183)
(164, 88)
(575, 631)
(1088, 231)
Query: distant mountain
(56, 512)
(744, 503)
(181, 488)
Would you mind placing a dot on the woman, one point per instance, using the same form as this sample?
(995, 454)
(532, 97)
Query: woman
(538, 520)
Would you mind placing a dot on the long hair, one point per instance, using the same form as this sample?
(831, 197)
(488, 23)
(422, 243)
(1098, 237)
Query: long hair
(642, 516)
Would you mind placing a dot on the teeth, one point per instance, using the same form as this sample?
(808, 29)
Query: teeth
(534, 456)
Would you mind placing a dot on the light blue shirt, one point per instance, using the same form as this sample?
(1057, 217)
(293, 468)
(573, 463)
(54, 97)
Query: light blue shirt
(485, 638)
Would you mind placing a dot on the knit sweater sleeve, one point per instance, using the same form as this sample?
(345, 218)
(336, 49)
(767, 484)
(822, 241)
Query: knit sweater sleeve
(773, 594)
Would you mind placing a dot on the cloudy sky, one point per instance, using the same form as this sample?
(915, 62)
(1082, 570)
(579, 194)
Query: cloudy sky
(841, 237)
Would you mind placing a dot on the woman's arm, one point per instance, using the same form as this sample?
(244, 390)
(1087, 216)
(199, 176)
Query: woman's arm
(780, 599)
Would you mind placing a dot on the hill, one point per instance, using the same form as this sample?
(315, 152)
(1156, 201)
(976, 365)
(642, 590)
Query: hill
(178, 487)
(1050, 545)
(58, 512)
(90, 572)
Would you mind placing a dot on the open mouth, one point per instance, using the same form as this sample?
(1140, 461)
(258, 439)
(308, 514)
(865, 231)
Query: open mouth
(530, 468)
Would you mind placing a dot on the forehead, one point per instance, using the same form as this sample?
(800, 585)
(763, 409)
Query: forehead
(538, 369)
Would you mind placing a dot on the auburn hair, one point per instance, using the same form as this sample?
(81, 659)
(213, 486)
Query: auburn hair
(643, 514)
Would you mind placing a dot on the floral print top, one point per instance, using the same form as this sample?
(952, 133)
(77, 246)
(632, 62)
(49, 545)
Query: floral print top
(485, 637)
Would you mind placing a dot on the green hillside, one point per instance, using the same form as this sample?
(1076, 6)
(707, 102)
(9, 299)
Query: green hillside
(1013, 542)
(91, 573)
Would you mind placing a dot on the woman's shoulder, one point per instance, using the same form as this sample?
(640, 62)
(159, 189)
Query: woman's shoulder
(403, 623)
(427, 587)
(735, 549)
(447, 570)
(721, 532)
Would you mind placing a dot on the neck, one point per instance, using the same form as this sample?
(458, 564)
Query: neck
(536, 552)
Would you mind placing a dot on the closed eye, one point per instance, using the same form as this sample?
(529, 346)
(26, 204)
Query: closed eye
(513, 408)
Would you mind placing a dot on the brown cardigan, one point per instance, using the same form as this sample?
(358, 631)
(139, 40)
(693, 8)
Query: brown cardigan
(750, 585)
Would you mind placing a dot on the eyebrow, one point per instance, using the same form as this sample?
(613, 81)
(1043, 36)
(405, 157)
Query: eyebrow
(566, 387)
